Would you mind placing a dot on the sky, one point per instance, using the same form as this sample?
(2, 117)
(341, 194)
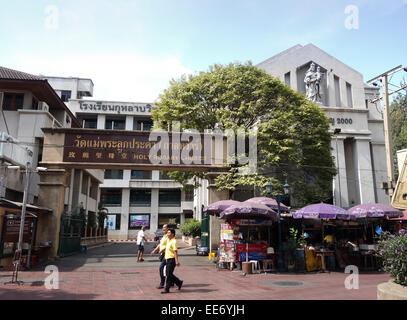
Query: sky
(131, 49)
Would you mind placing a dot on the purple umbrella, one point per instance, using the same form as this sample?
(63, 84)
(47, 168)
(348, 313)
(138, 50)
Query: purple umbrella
(269, 202)
(217, 207)
(374, 210)
(322, 211)
(248, 210)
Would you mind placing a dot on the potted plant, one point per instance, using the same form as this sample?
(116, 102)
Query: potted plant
(392, 250)
(295, 245)
(190, 229)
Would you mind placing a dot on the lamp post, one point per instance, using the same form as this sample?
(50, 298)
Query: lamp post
(279, 198)
(336, 132)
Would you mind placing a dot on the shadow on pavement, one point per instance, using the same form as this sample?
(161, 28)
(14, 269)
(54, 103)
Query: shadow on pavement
(21, 294)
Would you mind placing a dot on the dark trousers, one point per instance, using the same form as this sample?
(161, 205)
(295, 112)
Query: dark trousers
(171, 278)
(162, 275)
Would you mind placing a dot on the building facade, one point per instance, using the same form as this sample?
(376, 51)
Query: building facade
(358, 147)
(134, 198)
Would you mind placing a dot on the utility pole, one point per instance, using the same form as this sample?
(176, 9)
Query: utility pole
(383, 78)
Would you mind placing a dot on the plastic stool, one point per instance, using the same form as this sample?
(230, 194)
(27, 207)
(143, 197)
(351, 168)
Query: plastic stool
(255, 265)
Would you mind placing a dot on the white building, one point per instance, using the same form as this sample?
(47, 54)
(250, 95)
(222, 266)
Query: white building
(359, 148)
(132, 197)
(29, 103)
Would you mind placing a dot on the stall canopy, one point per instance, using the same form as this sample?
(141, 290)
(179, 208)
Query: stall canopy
(374, 210)
(323, 211)
(269, 202)
(217, 207)
(19, 205)
(249, 210)
(404, 217)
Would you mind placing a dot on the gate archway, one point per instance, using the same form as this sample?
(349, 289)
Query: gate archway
(66, 148)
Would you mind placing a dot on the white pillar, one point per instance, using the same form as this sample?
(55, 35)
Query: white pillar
(124, 219)
(341, 194)
(344, 97)
(101, 121)
(364, 172)
(129, 123)
(154, 210)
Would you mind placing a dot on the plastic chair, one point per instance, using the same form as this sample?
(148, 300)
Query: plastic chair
(255, 266)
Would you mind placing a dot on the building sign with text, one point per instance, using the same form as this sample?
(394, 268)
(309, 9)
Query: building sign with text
(115, 107)
(134, 148)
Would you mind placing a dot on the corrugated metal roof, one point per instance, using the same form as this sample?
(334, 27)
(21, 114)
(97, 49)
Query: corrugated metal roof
(6, 73)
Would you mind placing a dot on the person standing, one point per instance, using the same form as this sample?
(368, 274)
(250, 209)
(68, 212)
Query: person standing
(140, 241)
(161, 248)
(171, 260)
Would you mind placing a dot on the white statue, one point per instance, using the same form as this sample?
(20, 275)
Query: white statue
(313, 88)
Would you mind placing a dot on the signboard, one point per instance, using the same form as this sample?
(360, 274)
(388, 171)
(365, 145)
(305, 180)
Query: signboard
(227, 244)
(133, 147)
(115, 107)
(139, 220)
(110, 222)
(12, 230)
(250, 222)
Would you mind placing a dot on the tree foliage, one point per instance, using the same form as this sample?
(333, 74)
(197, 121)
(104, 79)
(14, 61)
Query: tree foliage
(398, 118)
(293, 138)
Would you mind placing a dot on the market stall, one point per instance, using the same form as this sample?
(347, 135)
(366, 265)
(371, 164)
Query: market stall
(337, 237)
(244, 236)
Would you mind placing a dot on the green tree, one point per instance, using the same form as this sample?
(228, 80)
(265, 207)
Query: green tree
(398, 118)
(293, 137)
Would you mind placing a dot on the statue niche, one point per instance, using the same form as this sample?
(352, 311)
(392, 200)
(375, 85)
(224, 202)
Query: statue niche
(313, 83)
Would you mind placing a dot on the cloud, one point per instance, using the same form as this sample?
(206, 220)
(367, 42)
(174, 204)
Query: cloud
(122, 77)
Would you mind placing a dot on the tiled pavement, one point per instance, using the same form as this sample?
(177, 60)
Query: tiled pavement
(111, 273)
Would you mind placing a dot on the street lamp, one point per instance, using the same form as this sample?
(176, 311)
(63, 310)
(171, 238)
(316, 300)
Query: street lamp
(279, 198)
(336, 132)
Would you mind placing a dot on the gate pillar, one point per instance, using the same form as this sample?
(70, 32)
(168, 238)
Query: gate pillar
(51, 195)
(214, 222)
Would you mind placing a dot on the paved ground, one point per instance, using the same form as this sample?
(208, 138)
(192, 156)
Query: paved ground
(111, 272)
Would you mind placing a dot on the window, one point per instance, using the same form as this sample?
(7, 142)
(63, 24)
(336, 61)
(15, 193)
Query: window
(112, 221)
(136, 221)
(113, 174)
(349, 94)
(65, 95)
(171, 219)
(115, 124)
(189, 195)
(13, 101)
(287, 80)
(111, 197)
(138, 174)
(88, 122)
(169, 198)
(140, 197)
(142, 125)
(337, 91)
(164, 175)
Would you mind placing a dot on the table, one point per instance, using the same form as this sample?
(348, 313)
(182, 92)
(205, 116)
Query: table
(323, 254)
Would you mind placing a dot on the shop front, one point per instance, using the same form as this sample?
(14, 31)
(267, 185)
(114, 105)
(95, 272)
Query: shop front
(10, 219)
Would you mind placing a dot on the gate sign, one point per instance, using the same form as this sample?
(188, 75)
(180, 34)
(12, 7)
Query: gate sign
(12, 230)
(131, 147)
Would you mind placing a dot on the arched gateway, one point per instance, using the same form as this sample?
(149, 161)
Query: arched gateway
(66, 148)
